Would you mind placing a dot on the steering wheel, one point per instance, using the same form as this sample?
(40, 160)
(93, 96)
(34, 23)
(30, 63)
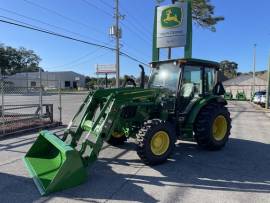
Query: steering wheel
(129, 80)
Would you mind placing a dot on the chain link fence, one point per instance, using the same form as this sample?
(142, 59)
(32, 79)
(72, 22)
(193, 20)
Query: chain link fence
(28, 103)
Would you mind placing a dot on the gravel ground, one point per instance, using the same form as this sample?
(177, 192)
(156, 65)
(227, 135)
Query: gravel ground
(238, 173)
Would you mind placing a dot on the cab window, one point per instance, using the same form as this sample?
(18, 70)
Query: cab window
(209, 82)
(192, 82)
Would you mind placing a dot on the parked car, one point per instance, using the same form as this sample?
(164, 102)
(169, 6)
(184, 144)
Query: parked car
(257, 97)
(263, 100)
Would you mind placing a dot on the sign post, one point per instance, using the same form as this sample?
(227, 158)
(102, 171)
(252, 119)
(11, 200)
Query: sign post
(268, 86)
(105, 69)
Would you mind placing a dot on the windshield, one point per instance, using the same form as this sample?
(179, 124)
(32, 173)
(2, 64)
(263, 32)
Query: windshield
(259, 93)
(165, 76)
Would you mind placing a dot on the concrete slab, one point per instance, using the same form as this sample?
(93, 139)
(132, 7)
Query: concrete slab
(238, 173)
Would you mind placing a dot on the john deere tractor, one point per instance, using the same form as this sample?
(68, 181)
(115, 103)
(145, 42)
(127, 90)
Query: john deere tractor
(181, 102)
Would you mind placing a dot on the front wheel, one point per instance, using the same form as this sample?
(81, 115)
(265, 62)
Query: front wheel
(155, 141)
(213, 126)
(117, 138)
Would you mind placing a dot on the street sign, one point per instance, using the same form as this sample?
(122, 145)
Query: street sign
(105, 69)
(172, 25)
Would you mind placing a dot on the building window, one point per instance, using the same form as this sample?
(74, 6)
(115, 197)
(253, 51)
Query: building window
(67, 83)
(33, 84)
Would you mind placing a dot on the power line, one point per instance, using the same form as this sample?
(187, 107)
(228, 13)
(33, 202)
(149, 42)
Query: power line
(90, 59)
(68, 37)
(48, 24)
(134, 31)
(98, 8)
(141, 26)
(62, 16)
(106, 4)
(74, 62)
(35, 28)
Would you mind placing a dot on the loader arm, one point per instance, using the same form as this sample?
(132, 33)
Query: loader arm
(50, 159)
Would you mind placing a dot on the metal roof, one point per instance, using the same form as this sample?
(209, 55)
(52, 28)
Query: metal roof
(191, 61)
(244, 80)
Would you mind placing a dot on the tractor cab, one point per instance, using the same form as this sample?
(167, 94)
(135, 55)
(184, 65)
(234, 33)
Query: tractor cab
(186, 79)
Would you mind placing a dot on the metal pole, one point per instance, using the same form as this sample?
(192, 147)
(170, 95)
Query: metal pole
(155, 50)
(106, 80)
(3, 102)
(268, 86)
(254, 69)
(169, 53)
(117, 48)
(27, 88)
(60, 102)
(40, 93)
(188, 47)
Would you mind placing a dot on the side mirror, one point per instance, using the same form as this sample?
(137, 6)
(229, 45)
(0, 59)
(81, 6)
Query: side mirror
(219, 89)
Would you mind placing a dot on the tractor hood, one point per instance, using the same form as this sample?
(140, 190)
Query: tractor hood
(136, 94)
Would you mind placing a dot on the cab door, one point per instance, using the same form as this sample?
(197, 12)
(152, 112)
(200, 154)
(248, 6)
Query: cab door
(191, 86)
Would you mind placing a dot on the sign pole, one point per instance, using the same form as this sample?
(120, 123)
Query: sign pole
(188, 47)
(254, 70)
(155, 50)
(268, 86)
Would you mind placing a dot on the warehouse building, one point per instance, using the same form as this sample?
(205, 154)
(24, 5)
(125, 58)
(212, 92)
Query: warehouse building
(244, 83)
(50, 80)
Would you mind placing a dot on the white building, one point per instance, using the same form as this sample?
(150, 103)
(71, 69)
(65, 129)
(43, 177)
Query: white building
(244, 83)
(50, 80)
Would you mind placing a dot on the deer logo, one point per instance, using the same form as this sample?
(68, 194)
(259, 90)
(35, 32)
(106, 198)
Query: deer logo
(171, 17)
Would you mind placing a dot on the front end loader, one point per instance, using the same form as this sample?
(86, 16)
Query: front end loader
(183, 100)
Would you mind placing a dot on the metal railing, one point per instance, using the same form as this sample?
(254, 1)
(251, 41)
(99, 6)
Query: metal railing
(28, 103)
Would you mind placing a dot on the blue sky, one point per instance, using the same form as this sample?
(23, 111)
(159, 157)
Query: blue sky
(246, 23)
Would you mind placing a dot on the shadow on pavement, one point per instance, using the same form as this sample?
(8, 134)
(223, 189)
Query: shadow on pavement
(241, 166)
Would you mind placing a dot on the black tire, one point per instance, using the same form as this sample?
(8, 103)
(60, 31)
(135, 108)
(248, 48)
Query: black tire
(116, 141)
(204, 127)
(145, 138)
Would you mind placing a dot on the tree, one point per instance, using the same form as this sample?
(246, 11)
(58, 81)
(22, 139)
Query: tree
(229, 69)
(18, 60)
(203, 14)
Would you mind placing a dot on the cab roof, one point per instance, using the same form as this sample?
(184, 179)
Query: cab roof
(190, 61)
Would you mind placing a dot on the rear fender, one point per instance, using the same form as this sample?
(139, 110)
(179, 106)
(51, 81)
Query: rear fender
(196, 108)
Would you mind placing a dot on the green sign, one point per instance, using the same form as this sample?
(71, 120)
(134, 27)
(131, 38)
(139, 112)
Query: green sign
(171, 22)
(171, 17)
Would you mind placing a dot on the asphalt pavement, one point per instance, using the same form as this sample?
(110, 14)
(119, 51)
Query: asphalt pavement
(238, 173)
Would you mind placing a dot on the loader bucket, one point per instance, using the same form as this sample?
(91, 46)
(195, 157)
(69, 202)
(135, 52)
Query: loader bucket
(53, 164)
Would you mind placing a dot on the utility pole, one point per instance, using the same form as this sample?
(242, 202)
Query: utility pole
(254, 70)
(117, 40)
(268, 86)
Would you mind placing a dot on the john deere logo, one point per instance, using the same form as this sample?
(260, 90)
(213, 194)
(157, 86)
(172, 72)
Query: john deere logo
(171, 17)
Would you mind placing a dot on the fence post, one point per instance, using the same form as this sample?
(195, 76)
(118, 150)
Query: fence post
(60, 101)
(40, 94)
(3, 102)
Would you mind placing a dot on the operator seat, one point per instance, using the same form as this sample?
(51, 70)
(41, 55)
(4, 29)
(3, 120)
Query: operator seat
(186, 95)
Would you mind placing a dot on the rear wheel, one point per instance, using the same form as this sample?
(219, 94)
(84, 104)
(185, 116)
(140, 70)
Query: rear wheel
(117, 138)
(156, 141)
(212, 127)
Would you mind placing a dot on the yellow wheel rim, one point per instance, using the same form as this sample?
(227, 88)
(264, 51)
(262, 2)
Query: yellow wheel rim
(219, 128)
(117, 134)
(160, 143)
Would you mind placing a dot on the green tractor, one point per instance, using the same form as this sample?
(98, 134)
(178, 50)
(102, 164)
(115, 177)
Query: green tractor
(228, 96)
(241, 96)
(183, 101)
